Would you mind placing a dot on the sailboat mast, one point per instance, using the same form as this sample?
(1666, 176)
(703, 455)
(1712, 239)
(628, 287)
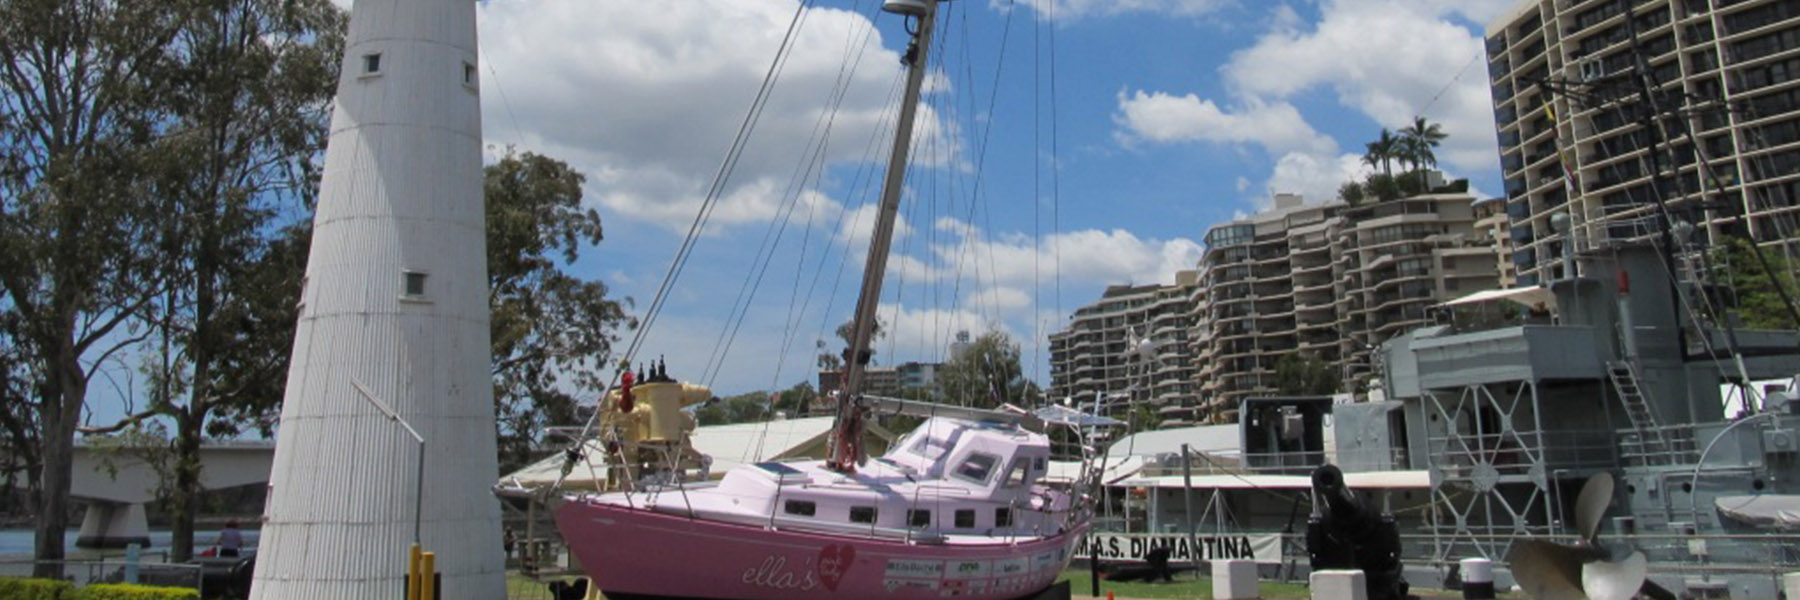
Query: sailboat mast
(870, 297)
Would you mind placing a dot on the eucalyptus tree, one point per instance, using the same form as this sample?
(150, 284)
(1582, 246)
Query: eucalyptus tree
(552, 332)
(986, 374)
(81, 89)
(244, 99)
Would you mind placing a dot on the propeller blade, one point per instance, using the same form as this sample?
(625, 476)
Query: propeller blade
(1615, 580)
(1546, 570)
(1590, 506)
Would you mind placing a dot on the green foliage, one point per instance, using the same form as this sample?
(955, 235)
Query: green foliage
(1351, 193)
(552, 332)
(14, 588)
(794, 400)
(134, 592)
(1383, 187)
(829, 361)
(1299, 374)
(1413, 146)
(742, 408)
(987, 374)
(1750, 289)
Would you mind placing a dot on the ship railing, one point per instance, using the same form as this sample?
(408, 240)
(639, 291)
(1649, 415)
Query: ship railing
(1514, 453)
(1678, 446)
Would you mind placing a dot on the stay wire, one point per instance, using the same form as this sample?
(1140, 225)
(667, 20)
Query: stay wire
(739, 142)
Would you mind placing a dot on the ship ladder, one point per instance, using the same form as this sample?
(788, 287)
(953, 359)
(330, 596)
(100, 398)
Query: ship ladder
(1653, 446)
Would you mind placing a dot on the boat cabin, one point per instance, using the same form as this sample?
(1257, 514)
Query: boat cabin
(948, 477)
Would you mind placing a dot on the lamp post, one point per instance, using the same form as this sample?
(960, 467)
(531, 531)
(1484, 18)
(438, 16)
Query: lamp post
(419, 478)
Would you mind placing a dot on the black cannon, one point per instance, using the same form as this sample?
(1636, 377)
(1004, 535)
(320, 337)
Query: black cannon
(1344, 534)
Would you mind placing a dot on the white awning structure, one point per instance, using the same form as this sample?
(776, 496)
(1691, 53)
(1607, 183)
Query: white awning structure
(1117, 468)
(1361, 481)
(1528, 296)
(728, 445)
(1764, 511)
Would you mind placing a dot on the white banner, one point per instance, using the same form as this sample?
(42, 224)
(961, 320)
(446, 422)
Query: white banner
(1262, 548)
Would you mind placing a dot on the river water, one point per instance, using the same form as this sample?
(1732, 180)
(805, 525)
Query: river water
(16, 543)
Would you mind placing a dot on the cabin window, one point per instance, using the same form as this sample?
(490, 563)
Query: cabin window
(1003, 516)
(965, 518)
(862, 514)
(372, 63)
(1016, 476)
(918, 518)
(977, 467)
(803, 508)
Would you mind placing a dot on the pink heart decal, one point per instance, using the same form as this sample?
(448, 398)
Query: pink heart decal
(834, 562)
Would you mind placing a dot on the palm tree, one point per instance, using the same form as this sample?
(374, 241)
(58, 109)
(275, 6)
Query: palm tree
(1418, 139)
(1383, 151)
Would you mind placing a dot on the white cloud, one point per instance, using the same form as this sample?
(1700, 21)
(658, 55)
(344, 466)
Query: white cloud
(1089, 256)
(645, 97)
(1313, 176)
(1387, 59)
(859, 225)
(1161, 117)
(1078, 9)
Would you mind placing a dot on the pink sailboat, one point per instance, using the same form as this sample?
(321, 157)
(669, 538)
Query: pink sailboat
(959, 507)
(956, 508)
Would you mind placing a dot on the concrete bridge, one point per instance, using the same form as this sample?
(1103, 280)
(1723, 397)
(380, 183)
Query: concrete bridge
(115, 483)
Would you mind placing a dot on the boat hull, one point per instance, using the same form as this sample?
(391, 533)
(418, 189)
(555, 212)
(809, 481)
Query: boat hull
(631, 552)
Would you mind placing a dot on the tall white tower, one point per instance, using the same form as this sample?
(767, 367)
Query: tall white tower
(396, 303)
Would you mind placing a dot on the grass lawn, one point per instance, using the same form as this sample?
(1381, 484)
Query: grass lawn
(519, 587)
(1080, 583)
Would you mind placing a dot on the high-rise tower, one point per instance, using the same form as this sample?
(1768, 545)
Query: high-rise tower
(394, 312)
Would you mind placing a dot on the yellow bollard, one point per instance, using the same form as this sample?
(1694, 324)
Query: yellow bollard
(412, 573)
(428, 576)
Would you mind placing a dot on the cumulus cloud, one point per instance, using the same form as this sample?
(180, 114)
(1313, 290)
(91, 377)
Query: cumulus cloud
(645, 97)
(1313, 176)
(1089, 256)
(1161, 117)
(1388, 59)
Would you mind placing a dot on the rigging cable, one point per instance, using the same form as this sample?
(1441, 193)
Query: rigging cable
(685, 250)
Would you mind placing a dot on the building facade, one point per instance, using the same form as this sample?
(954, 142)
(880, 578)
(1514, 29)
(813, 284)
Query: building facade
(1570, 81)
(1328, 282)
(1103, 353)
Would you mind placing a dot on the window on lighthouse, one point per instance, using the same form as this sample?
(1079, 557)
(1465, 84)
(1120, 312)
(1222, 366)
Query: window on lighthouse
(414, 284)
(372, 64)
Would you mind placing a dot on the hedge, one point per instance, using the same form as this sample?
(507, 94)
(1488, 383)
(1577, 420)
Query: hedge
(134, 592)
(14, 588)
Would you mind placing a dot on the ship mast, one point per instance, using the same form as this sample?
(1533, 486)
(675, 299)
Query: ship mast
(846, 450)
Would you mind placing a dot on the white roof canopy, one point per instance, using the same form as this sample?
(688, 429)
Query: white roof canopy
(1528, 296)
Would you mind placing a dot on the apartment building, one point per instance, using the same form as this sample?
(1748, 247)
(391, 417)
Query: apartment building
(1100, 353)
(1328, 281)
(1728, 67)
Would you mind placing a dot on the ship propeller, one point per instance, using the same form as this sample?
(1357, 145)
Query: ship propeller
(1586, 570)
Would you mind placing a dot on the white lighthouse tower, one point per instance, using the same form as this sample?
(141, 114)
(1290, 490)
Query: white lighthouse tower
(394, 315)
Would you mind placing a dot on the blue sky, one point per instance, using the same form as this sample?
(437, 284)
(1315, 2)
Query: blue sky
(1168, 116)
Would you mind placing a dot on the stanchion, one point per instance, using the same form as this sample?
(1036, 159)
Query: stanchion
(428, 576)
(412, 573)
